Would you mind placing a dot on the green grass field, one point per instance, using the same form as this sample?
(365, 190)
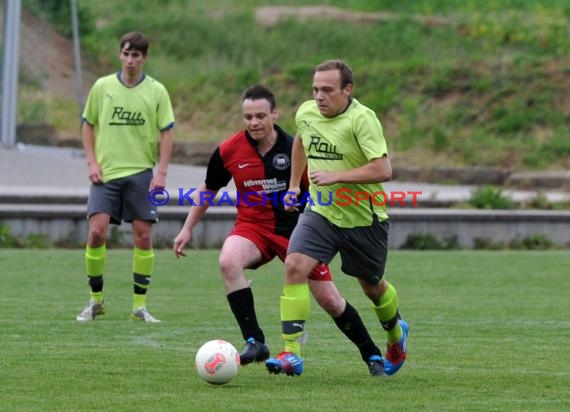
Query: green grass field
(489, 331)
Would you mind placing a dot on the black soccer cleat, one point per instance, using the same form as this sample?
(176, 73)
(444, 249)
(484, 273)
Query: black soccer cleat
(376, 366)
(253, 351)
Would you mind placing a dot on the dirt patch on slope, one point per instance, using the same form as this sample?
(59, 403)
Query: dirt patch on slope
(47, 57)
(271, 16)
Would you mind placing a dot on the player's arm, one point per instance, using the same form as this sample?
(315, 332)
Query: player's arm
(298, 166)
(88, 138)
(217, 176)
(195, 214)
(165, 150)
(377, 170)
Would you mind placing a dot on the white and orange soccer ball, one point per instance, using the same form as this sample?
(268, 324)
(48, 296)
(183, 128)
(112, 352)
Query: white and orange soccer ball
(217, 362)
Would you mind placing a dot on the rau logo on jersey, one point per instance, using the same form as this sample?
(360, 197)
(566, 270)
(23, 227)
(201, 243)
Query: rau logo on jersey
(122, 117)
(319, 149)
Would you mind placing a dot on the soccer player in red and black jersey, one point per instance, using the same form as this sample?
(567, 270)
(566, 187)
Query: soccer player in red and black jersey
(258, 159)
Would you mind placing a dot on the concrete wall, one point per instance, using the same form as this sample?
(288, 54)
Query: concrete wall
(497, 226)
(68, 223)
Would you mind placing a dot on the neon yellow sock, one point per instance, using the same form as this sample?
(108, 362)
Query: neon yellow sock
(97, 297)
(143, 261)
(295, 307)
(95, 258)
(386, 310)
(143, 265)
(139, 301)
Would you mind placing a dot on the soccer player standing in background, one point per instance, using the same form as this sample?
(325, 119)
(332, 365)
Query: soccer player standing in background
(127, 127)
(258, 159)
(343, 144)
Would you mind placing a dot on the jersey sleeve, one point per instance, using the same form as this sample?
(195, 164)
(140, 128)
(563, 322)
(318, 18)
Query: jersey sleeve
(370, 135)
(299, 115)
(91, 110)
(217, 176)
(165, 114)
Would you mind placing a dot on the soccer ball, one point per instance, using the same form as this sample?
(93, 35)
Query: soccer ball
(217, 362)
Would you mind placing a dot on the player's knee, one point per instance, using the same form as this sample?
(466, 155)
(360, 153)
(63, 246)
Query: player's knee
(374, 292)
(97, 236)
(327, 304)
(143, 240)
(328, 297)
(226, 267)
(331, 303)
(293, 265)
(229, 267)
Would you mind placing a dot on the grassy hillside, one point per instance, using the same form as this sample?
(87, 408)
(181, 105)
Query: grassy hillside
(454, 83)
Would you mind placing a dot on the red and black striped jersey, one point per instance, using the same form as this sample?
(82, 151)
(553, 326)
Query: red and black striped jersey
(261, 181)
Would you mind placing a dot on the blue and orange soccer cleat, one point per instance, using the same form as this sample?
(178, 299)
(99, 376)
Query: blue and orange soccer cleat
(285, 362)
(396, 352)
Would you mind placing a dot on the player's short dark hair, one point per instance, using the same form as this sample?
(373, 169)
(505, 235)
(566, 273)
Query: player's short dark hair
(342, 67)
(257, 92)
(136, 40)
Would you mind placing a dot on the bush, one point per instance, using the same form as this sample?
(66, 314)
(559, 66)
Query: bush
(536, 242)
(487, 197)
(540, 202)
(33, 241)
(427, 241)
(481, 243)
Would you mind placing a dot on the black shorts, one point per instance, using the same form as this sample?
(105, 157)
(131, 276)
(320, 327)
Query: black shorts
(125, 199)
(363, 250)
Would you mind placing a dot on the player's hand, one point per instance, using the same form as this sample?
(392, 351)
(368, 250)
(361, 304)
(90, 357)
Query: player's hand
(180, 241)
(322, 177)
(95, 175)
(290, 200)
(158, 182)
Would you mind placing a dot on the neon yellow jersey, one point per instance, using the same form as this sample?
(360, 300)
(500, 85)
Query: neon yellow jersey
(347, 141)
(127, 121)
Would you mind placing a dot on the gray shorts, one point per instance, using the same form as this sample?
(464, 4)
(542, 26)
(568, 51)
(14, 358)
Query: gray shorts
(125, 199)
(363, 250)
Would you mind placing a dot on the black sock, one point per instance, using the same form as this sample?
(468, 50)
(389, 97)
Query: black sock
(350, 323)
(96, 283)
(242, 306)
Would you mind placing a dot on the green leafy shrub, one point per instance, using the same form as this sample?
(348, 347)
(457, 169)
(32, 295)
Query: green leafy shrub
(33, 241)
(536, 242)
(427, 241)
(540, 202)
(481, 243)
(488, 197)
(6, 238)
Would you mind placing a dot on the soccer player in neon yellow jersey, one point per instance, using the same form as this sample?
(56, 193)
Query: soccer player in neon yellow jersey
(342, 143)
(127, 129)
